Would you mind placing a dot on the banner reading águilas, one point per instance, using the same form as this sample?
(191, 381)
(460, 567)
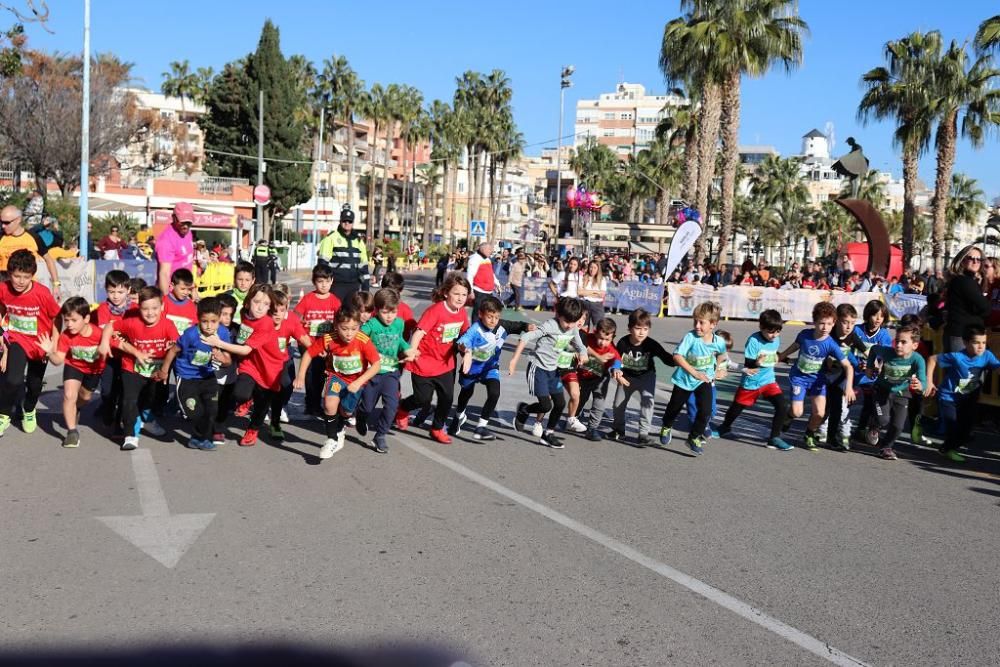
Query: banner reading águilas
(632, 295)
(682, 298)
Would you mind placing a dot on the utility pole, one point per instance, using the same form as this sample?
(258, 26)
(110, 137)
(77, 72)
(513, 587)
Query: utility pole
(259, 227)
(319, 165)
(85, 143)
(564, 83)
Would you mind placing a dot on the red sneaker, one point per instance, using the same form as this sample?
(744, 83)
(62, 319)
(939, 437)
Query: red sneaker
(439, 435)
(402, 419)
(218, 438)
(249, 438)
(243, 409)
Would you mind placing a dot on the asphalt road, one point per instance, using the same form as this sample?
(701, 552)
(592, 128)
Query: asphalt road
(506, 553)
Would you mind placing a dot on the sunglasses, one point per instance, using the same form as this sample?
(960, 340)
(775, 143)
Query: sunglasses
(7, 222)
(973, 259)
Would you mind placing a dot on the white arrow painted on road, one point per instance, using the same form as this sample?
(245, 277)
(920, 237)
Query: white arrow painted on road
(160, 534)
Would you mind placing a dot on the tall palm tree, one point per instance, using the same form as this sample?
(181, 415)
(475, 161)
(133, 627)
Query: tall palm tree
(680, 126)
(512, 150)
(389, 111)
(180, 82)
(970, 92)
(737, 38)
(430, 177)
(205, 76)
(967, 201)
(777, 184)
(871, 189)
(899, 90)
(341, 93)
(468, 105)
(373, 107)
(988, 35)
(412, 125)
(446, 150)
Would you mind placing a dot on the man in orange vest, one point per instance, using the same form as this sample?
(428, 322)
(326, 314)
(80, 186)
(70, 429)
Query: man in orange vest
(480, 274)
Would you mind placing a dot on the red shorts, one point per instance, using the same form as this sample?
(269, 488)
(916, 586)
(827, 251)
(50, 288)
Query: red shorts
(747, 397)
(570, 377)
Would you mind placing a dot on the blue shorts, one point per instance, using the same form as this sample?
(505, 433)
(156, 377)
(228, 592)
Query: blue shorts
(807, 385)
(337, 386)
(544, 383)
(465, 381)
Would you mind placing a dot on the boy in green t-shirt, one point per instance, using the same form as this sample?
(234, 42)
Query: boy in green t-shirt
(386, 331)
(898, 370)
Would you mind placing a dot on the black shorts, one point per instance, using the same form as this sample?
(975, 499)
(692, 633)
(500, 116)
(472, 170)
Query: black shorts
(89, 382)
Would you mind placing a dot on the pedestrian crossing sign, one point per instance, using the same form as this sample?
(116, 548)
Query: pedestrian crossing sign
(477, 228)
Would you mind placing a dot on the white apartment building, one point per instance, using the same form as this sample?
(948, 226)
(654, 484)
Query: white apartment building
(624, 120)
(170, 143)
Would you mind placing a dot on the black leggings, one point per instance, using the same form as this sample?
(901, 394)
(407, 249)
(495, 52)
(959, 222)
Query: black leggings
(555, 403)
(246, 388)
(138, 394)
(780, 410)
(199, 401)
(424, 389)
(679, 398)
(21, 371)
(492, 398)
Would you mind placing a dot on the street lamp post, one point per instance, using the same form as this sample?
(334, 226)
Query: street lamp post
(84, 240)
(564, 83)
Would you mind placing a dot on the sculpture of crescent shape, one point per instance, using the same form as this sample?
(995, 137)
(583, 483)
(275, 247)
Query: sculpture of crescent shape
(876, 233)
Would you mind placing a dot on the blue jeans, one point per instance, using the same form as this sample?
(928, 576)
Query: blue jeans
(386, 387)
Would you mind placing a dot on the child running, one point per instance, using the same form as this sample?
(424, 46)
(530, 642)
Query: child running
(481, 346)
(700, 361)
(225, 374)
(243, 279)
(760, 355)
(114, 307)
(550, 356)
(144, 339)
(386, 332)
(867, 334)
(290, 328)
(692, 404)
(351, 361)
(958, 393)
(638, 353)
(394, 280)
(603, 364)
(898, 372)
(197, 385)
(838, 424)
(436, 338)
(806, 377)
(316, 310)
(30, 310)
(77, 347)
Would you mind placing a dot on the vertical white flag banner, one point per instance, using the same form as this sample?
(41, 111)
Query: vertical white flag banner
(684, 238)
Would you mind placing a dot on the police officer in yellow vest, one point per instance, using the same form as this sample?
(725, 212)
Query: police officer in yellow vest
(345, 252)
(261, 261)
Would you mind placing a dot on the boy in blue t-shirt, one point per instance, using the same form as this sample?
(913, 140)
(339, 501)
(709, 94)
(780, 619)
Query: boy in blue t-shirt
(806, 376)
(481, 346)
(197, 384)
(760, 354)
(699, 360)
(958, 394)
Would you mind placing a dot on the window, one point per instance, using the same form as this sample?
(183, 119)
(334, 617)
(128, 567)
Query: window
(626, 116)
(609, 133)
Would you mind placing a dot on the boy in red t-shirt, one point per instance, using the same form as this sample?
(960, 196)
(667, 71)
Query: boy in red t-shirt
(604, 364)
(117, 303)
(178, 307)
(316, 310)
(144, 339)
(352, 360)
(290, 328)
(77, 348)
(29, 310)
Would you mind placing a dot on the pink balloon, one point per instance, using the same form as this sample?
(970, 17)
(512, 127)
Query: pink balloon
(571, 197)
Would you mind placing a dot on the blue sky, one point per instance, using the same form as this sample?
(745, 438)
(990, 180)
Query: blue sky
(427, 44)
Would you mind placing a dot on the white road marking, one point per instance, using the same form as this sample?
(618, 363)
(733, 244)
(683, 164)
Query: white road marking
(163, 536)
(801, 639)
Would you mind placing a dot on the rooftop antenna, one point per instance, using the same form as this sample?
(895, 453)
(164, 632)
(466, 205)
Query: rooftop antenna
(831, 137)
(621, 74)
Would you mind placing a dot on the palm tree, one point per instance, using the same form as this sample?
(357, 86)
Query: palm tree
(831, 226)
(680, 125)
(180, 82)
(966, 203)
(342, 95)
(468, 105)
(205, 76)
(969, 92)
(899, 90)
(373, 107)
(430, 176)
(445, 149)
(389, 112)
(511, 150)
(777, 184)
(740, 38)
(412, 127)
(871, 189)
(988, 35)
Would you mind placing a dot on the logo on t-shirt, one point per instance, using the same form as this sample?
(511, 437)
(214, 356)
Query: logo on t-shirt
(85, 354)
(451, 331)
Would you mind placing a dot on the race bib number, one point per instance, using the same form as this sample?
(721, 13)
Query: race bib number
(565, 359)
(388, 363)
(967, 385)
(700, 362)
(85, 354)
(147, 369)
(243, 334)
(484, 353)
(809, 365)
(201, 358)
(181, 323)
(594, 365)
(317, 327)
(635, 362)
(346, 365)
(767, 359)
(26, 325)
(896, 373)
(282, 344)
(450, 332)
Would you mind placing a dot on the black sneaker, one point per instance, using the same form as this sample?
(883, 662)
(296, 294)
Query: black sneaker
(595, 435)
(787, 423)
(520, 417)
(552, 440)
(361, 423)
(643, 440)
(456, 423)
(380, 445)
(617, 436)
(421, 417)
(724, 431)
(483, 433)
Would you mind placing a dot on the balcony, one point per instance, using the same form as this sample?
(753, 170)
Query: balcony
(218, 185)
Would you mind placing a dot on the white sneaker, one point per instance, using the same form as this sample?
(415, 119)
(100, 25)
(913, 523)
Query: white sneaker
(537, 430)
(575, 425)
(284, 417)
(154, 429)
(130, 443)
(352, 421)
(329, 447)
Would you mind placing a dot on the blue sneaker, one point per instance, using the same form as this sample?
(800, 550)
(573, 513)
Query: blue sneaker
(712, 433)
(595, 435)
(665, 436)
(205, 445)
(779, 444)
(696, 445)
